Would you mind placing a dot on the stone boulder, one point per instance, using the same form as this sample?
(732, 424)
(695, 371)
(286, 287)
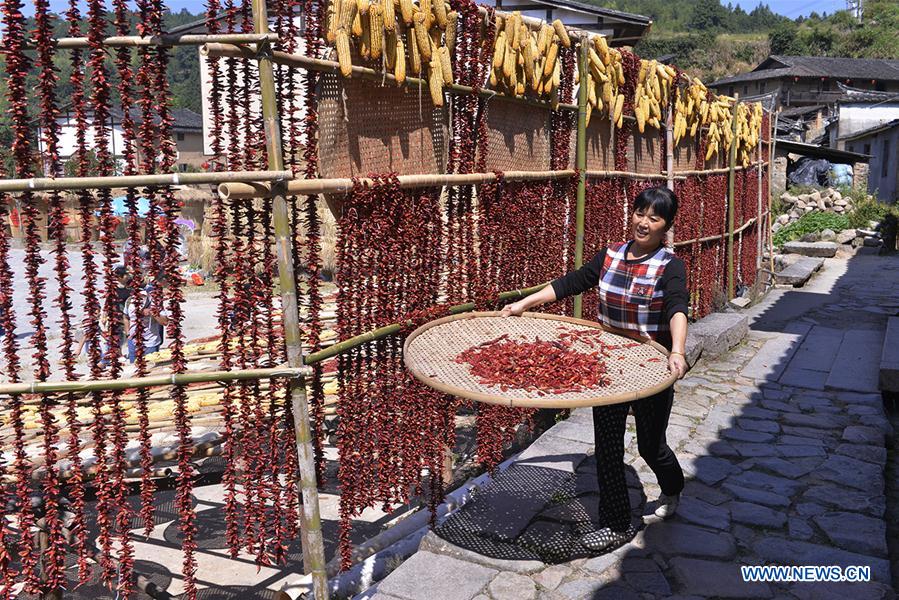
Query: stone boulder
(815, 249)
(836, 195)
(839, 209)
(789, 198)
(845, 236)
(828, 235)
(776, 226)
(821, 204)
(809, 237)
(815, 196)
(783, 219)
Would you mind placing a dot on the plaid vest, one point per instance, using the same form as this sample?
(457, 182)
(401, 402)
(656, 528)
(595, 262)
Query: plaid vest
(629, 297)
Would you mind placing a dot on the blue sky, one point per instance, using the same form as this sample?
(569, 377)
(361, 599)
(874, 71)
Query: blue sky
(789, 8)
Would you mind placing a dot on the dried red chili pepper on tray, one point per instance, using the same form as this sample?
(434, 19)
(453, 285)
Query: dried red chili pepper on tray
(539, 366)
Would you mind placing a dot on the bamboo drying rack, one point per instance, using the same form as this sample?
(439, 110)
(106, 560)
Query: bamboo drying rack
(278, 182)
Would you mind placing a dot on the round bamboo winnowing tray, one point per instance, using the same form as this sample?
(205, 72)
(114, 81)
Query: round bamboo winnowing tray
(634, 371)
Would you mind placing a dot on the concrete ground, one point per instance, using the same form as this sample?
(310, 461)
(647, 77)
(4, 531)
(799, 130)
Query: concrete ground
(784, 443)
(200, 310)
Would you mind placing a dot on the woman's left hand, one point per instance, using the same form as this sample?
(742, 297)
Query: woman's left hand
(677, 364)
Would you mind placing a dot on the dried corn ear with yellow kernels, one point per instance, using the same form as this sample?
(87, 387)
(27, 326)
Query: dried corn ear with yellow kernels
(399, 70)
(452, 22)
(435, 82)
(560, 30)
(376, 24)
(446, 64)
(343, 53)
(422, 37)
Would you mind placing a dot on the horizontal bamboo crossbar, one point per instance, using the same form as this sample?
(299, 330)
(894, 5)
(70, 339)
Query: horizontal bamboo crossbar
(300, 187)
(188, 39)
(388, 330)
(37, 184)
(102, 385)
(712, 238)
(721, 170)
(330, 66)
(629, 175)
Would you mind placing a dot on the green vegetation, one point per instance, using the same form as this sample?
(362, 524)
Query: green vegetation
(710, 39)
(868, 209)
(813, 222)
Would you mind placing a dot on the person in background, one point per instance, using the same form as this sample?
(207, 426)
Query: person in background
(642, 290)
(153, 324)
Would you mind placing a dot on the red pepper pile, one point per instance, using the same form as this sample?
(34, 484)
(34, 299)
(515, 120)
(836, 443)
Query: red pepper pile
(540, 366)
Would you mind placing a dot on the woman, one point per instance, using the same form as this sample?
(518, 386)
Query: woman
(642, 288)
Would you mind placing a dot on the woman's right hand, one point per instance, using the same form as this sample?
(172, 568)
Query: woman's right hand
(515, 309)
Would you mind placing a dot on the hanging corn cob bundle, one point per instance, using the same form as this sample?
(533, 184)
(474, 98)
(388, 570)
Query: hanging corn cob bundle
(404, 37)
(749, 123)
(718, 119)
(604, 76)
(690, 108)
(654, 85)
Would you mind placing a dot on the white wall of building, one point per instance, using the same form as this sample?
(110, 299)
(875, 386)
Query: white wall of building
(206, 92)
(855, 117)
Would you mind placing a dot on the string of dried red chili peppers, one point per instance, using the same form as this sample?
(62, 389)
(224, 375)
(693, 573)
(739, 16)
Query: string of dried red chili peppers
(54, 555)
(17, 65)
(110, 489)
(134, 267)
(91, 307)
(307, 255)
(389, 427)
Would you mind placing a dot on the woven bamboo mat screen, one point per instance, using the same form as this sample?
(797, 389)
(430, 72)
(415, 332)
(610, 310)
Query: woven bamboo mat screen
(645, 150)
(600, 153)
(685, 155)
(368, 128)
(518, 137)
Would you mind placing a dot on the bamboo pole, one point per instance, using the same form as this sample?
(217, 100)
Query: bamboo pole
(629, 175)
(772, 134)
(721, 170)
(302, 187)
(759, 241)
(731, 200)
(712, 238)
(188, 39)
(103, 385)
(314, 546)
(394, 328)
(330, 66)
(39, 184)
(581, 165)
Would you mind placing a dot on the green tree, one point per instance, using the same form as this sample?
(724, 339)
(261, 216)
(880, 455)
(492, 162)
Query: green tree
(784, 39)
(708, 15)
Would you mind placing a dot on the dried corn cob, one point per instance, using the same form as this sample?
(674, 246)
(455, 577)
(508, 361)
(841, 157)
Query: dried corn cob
(407, 11)
(446, 64)
(560, 30)
(440, 13)
(421, 35)
(376, 25)
(551, 56)
(388, 15)
(347, 15)
(452, 19)
(435, 82)
(343, 52)
(399, 70)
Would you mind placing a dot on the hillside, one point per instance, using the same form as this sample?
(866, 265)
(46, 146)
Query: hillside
(711, 40)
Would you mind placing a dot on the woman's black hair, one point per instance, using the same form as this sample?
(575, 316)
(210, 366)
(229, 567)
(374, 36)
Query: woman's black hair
(661, 200)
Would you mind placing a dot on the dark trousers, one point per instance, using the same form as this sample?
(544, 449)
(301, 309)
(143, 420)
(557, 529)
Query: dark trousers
(609, 422)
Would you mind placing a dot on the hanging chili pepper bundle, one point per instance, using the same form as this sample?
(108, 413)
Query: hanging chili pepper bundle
(382, 427)
(17, 65)
(110, 492)
(54, 556)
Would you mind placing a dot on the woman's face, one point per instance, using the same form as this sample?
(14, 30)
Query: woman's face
(647, 227)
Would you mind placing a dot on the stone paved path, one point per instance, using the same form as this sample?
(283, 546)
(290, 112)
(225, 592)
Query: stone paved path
(784, 443)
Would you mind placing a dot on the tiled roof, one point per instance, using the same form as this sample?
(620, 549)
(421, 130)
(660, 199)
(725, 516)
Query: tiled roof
(776, 66)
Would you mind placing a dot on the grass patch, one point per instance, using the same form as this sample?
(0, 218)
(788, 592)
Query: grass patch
(813, 222)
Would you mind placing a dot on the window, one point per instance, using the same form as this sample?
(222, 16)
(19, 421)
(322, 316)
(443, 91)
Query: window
(825, 86)
(180, 137)
(851, 148)
(868, 149)
(746, 90)
(762, 86)
(182, 167)
(885, 158)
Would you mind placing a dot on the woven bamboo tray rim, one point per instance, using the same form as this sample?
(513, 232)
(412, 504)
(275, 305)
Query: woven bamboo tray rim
(659, 383)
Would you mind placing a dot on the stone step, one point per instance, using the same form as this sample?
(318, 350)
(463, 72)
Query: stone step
(818, 249)
(889, 358)
(800, 271)
(854, 367)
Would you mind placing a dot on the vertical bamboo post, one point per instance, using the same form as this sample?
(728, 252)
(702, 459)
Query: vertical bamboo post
(581, 166)
(669, 161)
(732, 161)
(758, 215)
(772, 144)
(314, 549)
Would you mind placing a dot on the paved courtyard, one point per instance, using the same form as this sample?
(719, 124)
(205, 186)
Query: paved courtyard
(784, 443)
